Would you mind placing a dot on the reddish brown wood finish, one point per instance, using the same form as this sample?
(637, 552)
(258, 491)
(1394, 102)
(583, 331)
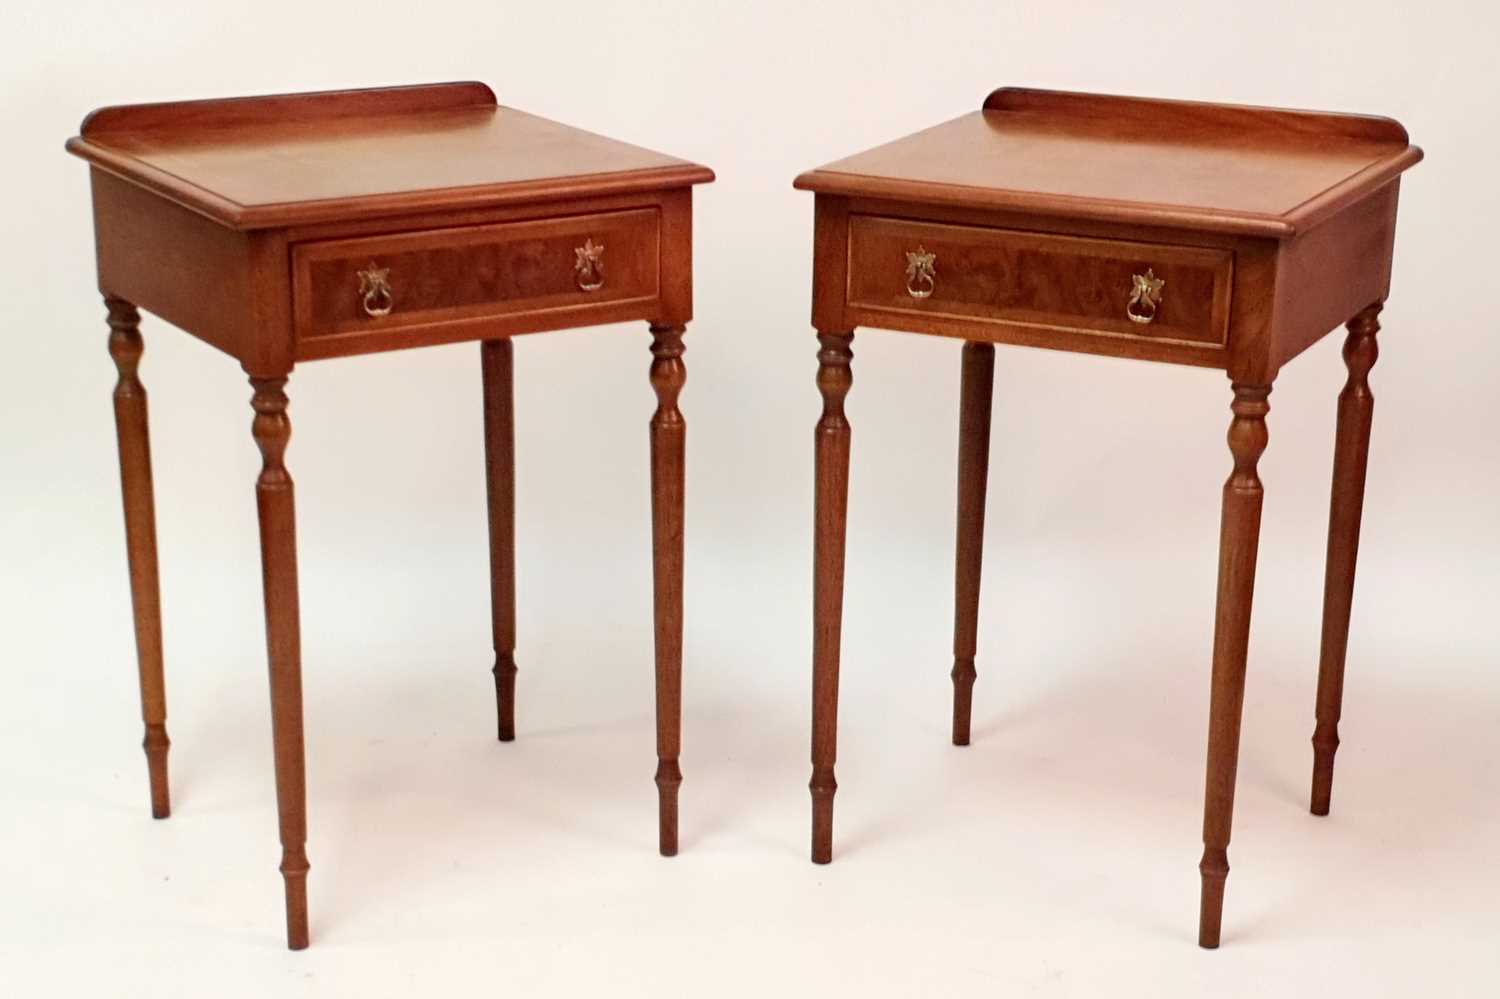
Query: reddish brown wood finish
(221, 113)
(500, 485)
(976, 394)
(452, 282)
(1200, 167)
(1270, 228)
(1332, 273)
(278, 556)
(1041, 281)
(831, 500)
(140, 541)
(1239, 541)
(157, 255)
(244, 222)
(1145, 116)
(336, 166)
(1350, 455)
(668, 455)
(342, 155)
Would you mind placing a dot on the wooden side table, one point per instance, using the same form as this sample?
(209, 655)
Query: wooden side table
(307, 226)
(1197, 234)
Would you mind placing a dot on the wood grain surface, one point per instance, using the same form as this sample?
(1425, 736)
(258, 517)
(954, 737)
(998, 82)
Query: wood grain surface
(1351, 454)
(125, 348)
(246, 223)
(1042, 280)
(253, 163)
(1027, 223)
(1211, 168)
(470, 275)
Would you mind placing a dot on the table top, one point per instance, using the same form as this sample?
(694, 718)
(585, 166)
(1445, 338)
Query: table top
(262, 162)
(1223, 168)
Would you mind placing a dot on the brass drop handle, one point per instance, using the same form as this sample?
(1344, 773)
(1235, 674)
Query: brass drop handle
(1145, 296)
(375, 291)
(588, 269)
(921, 272)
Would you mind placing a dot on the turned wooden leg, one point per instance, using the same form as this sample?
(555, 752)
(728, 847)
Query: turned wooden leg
(500, 482)
(668, 442)
(830, 507)
(1350, 454)
(140, 540)
(1239, 537)
(973, 470)
(278, 554)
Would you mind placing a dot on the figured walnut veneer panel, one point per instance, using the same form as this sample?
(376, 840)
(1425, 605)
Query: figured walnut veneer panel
(1041, 280)
(459, 276)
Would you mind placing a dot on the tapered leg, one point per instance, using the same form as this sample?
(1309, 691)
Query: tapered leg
(830, 508)
(1239, 538)
(973, 471)
(500, 481)
(140, 540)
(1351, 451)
(668, 443)
(278, 554)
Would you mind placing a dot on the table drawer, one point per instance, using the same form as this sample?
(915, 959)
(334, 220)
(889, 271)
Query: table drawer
(475, 274)
(1108, 288)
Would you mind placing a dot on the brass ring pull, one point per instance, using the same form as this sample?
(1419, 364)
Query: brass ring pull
(921, 272)
(375, 291)
(588, 270)
(1145, 297)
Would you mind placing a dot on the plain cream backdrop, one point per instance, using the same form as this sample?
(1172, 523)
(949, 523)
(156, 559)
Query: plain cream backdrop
(1056, 856)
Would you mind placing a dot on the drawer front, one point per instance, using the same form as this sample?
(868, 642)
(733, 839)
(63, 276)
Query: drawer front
(475, 274)
(1107, 288)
